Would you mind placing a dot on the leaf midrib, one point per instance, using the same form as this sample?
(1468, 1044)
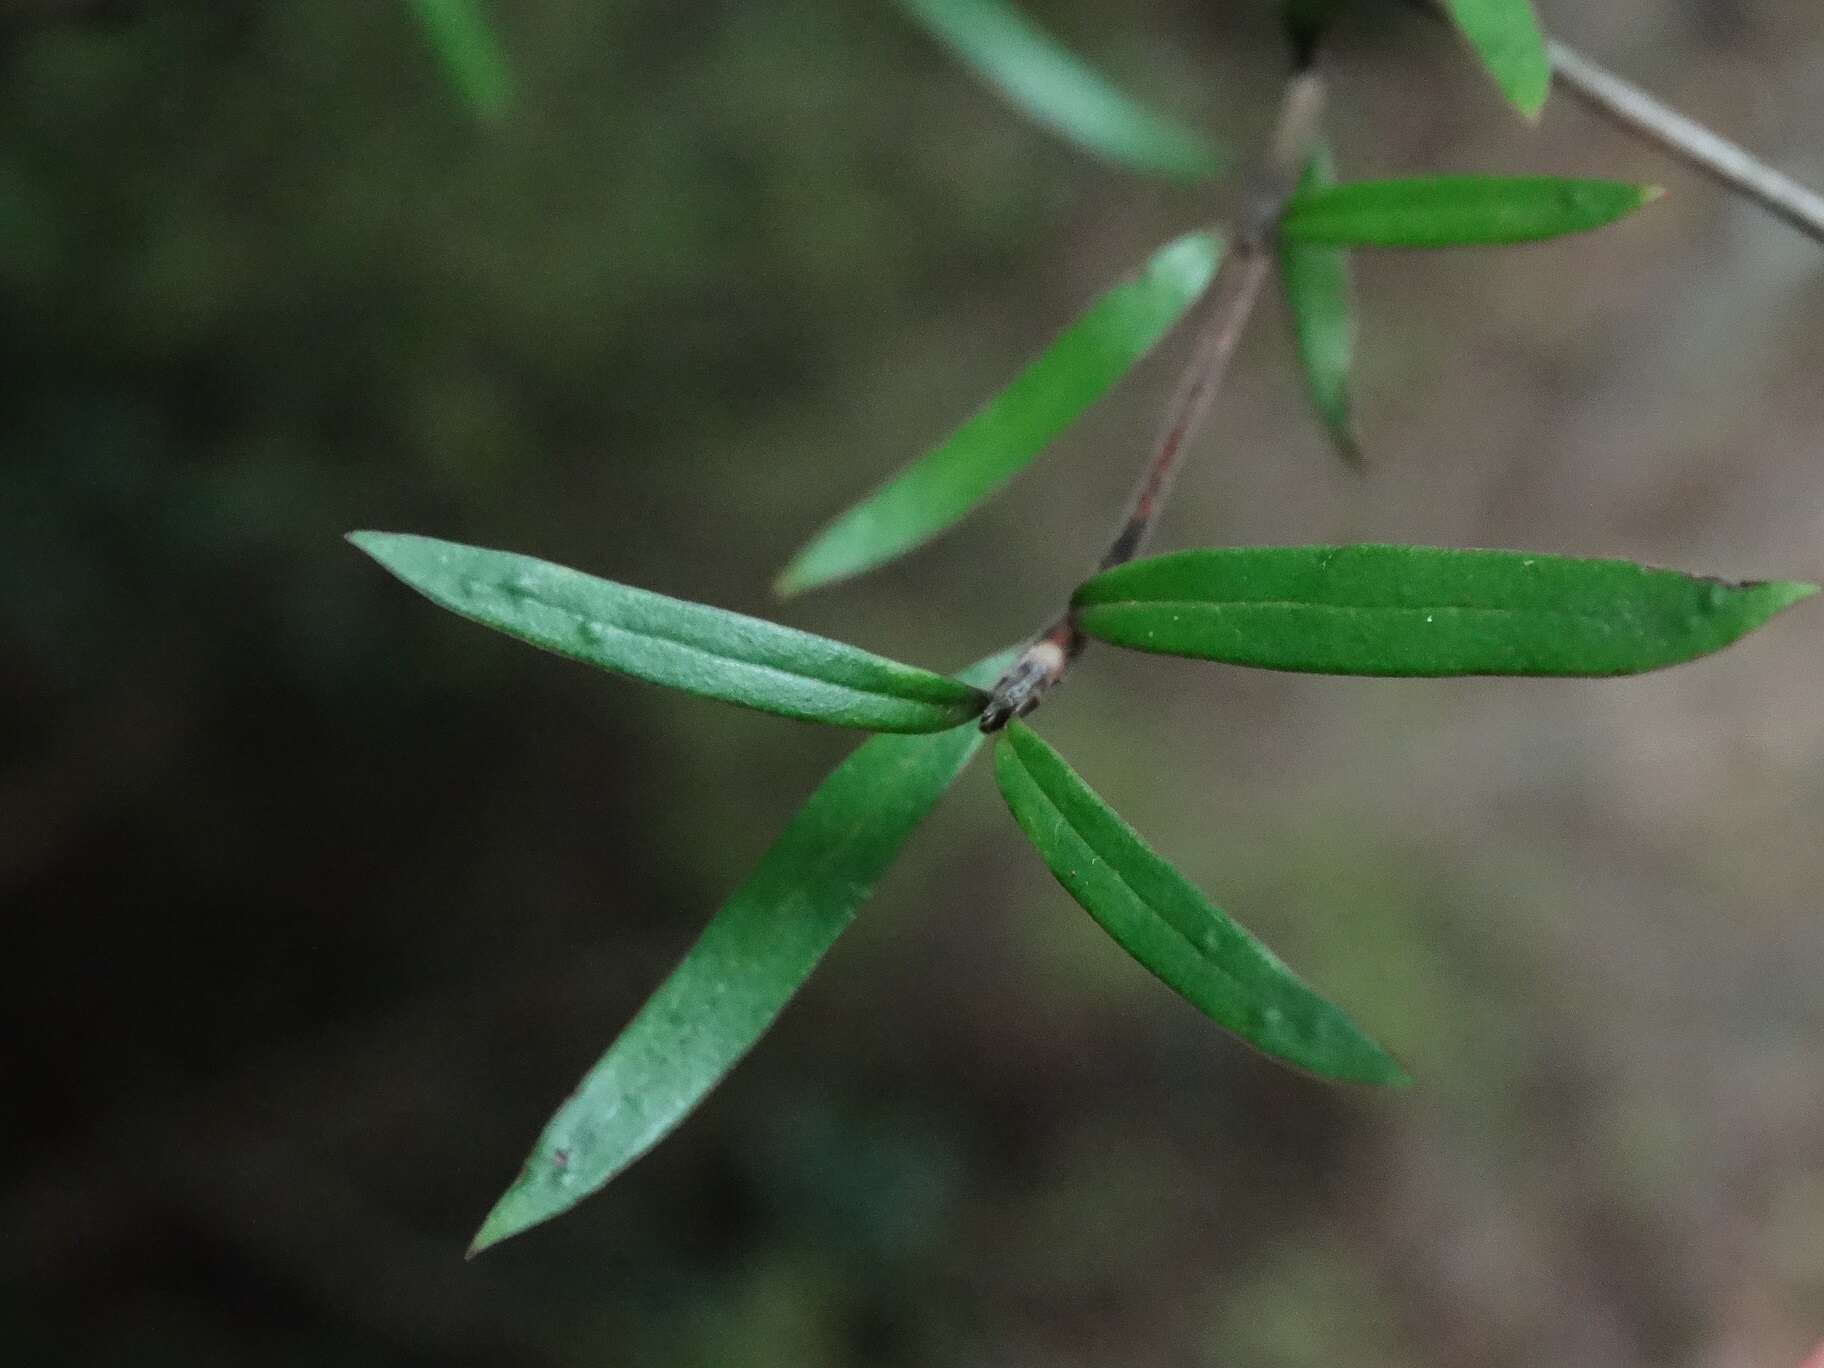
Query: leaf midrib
(798, 890)
(840, 846)
(779, 671)
(1201, 957)
(1573, 615)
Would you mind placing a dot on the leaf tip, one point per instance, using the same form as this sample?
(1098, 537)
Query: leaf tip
(1531, 103)
(1785, 593)
(501, 1224)
(1527, 84)
(830, 557)
(376, 546)
(1367, 1064)
(1190, 261)
(790, 582)
(1649, 193)
(382, 547)
(1360, 1061)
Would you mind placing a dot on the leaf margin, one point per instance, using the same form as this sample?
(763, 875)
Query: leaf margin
(1320, 296)
(526, 1202)
(1058, 90)
(1353, 1056)
(1442, 211)
(1157, 605)
(1118, 330)
(1507, 37)
(862, 691)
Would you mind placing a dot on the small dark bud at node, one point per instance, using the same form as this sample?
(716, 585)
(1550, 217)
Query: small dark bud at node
(1024, 685)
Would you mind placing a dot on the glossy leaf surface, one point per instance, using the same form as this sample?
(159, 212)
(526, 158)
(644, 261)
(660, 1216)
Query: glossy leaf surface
(737, 978)
(1161, 919)
(1458, 211)
(470, 54)
(1056, 88)
(942, 487)
(1421, 611)
(1506, 35)
(1321, 297)
(689, 646)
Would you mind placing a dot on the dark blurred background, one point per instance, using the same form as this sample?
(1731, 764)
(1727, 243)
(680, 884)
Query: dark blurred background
(318, 899)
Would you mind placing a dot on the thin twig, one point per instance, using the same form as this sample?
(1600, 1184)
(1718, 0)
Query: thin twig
(1730, 165)
(1238, 287)
(1238, 290)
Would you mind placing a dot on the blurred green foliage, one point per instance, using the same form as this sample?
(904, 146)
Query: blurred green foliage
(478, 69)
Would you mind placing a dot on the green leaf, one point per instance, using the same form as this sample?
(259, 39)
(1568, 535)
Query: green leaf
(1420, 610)
(1506, 35)
(471, 57)
(1166, 924)
(1055, 88)
(701, 650)
(1458, 211)
(740, 974)
(1322, 299)
(943, 486)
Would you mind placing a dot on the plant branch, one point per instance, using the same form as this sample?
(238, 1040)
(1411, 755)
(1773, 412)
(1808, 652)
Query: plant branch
(1238, 290)
(1730, 165)
(1238, 287)
(1733, 167)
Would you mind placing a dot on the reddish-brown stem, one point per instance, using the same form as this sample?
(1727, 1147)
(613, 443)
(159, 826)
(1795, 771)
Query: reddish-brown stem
(1237, 290)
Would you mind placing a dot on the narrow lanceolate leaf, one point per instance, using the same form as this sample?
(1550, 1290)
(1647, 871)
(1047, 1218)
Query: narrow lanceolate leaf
(742, 971)
(1458, 211)
(1322, 299)
(1420, 610)
(688, 646)
(1505, 34)
(470, 54)
(1055, 88)
(1161, 919)
(943, 486)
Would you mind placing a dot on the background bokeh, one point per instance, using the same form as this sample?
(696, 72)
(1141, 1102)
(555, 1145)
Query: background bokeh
(318, 899)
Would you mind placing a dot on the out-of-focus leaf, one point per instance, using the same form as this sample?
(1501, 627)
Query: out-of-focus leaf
(1458, 211)
(1322, 299)
(943, 486)
(689, 646)
(1164, 922)
(1055, 87)
(469, 51)
(1505, 34)
(1420, 610)
(738, 977)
